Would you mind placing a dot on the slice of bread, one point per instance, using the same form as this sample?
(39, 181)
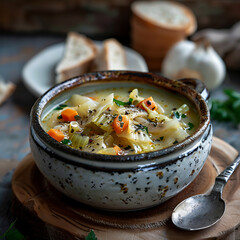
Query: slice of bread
(165, 14)
(6, 90)
(111, 57)
(79, 54)
(156, 26)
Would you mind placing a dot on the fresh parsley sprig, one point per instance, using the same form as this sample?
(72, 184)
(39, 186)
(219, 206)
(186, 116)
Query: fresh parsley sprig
(227, 110)
(66, 141)
(12, 233)
(190, 126)
(141, 127)
(125, 104)
(176, 114)
(91, 236)
(60, 107)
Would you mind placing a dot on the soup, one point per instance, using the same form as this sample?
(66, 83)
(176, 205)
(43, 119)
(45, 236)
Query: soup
(122, 121)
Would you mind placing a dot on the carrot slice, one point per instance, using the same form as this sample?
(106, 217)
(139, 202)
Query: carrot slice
(56, 134)
(120, 123)
(149, 102)
(117, 149)
(69, 115)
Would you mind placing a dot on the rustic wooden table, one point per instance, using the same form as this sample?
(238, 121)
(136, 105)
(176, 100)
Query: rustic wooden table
(15, 51)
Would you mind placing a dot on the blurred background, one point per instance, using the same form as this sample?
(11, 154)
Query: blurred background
(28, 27)
(101, 18)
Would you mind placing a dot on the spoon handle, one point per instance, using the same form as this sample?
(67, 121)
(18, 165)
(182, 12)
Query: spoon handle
(223, 177)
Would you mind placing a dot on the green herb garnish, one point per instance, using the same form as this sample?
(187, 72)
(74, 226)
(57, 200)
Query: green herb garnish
(227, 110)
(77, 117)
(125, 104)
(91, 236)
(176, 114)
(60, 107)
(59, 117)
(12, 233)
(128, 147)
(191, 126)
(141, 127)
(146, 129)
(184, 115)
(161, 138)
(66, 142)
(175, 142)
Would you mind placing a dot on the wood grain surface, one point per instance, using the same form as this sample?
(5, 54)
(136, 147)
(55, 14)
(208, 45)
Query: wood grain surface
(50, 215)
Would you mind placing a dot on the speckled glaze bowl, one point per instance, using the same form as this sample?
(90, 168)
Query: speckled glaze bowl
(120, 183)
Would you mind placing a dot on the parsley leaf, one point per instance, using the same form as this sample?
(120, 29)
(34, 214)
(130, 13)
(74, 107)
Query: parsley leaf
(191, 126)
(141, 127)
(12, 233)
(77, 117)
(66, 141)
(60, 107)
(227, 110)
(177, 115)
(146, 129)
(125, 104)
(91, 236)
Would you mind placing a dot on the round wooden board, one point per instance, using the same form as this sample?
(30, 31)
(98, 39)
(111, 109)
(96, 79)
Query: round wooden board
(50, 215)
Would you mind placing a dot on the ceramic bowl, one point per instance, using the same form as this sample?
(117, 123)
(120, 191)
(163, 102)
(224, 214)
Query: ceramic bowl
(120, 183)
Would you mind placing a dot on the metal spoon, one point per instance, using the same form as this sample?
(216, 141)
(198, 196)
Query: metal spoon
(202, 211)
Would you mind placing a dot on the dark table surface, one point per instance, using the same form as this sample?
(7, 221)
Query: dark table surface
(15, 51)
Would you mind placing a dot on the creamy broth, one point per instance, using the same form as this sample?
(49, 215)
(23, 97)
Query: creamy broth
(122, 121)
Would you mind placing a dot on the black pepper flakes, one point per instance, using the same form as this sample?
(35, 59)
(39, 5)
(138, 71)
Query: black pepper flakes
(149, 102)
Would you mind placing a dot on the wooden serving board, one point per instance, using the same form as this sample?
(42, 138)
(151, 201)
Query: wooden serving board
(45, 213)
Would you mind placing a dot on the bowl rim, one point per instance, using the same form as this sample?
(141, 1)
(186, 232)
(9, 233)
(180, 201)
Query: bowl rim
(117, 76)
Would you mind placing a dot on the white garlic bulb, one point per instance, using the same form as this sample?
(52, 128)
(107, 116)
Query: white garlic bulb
(188, 59)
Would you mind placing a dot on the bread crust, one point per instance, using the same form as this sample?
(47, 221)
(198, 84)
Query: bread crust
(80, 67)
(103, 61)
(153, 44)
(155, 32)
(4, 95)
(144, 19)
(152, 37)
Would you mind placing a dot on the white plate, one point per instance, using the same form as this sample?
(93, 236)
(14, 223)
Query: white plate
(39, 72)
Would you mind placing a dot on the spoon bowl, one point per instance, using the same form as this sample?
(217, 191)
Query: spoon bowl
(203, 211)
(198, 212)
